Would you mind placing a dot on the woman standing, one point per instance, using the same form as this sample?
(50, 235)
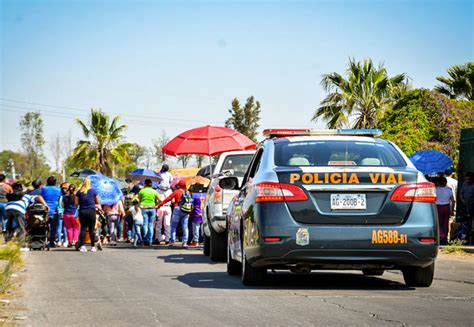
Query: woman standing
(69, 219)
(87, 199)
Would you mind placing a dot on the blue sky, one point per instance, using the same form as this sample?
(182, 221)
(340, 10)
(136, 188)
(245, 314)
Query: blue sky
(174, 65)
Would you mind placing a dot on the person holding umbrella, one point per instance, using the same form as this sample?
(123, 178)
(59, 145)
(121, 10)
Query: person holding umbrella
(87, 199)
(148, 198)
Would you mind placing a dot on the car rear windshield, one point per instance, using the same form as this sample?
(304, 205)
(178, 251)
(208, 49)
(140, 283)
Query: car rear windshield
(337, 153)
(238, 163)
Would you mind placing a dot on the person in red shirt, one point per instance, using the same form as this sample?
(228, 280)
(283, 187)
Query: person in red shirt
(178, 215)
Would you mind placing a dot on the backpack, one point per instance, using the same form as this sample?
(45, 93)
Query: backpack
(186, 202)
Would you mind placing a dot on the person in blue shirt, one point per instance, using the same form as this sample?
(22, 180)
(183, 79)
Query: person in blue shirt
(51, 195)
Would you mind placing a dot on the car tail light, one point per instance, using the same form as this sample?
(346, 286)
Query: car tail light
(272, 239)
(277, 192)
(418, 192)
(428, 240)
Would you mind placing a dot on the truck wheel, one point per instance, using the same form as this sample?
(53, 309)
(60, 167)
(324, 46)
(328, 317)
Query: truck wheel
(233, 266)
(251, 276)
(373, 272)
(419, 277)
(218, 246)
(206, 248)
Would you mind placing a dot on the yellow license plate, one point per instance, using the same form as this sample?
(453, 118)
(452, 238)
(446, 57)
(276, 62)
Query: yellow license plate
(388, 236)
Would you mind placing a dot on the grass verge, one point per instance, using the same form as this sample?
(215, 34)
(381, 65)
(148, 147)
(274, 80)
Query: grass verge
(11, 255)
(455, 246)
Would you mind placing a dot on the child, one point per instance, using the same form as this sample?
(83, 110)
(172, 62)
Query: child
(137, 215)
(445, 204)
(198, 196)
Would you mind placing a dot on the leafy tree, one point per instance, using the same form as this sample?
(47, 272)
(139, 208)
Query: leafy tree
(245, 119)
(360, 99)
(136, 153)
(158, 147)
(184, 159)
(423, 119)
(459, 84)
(32, 141)
(104, 146)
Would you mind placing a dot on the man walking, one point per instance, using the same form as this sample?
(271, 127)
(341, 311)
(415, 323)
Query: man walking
(51, 195)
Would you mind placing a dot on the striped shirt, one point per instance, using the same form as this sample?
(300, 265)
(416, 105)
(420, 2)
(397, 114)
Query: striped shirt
(22, 204)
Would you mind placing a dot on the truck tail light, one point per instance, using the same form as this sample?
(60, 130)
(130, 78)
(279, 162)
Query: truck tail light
(417, 192)
(278, 192)
(217, 195)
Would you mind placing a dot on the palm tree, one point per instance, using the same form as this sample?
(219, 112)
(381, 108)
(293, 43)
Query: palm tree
(103, 147)
(362, 98)
(459, 84)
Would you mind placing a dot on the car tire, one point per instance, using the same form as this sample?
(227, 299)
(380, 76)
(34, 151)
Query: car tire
(251, 276)
(419, 277)
(218, 246)
(373, 272)
(206, 248)
(233, 266)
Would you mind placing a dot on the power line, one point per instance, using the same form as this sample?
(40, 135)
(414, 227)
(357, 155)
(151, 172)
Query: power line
(70, 115)
(115, 113)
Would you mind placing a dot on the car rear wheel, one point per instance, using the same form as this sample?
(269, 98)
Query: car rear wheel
(218, 246)
(206, 248)
(419, 277)
(373, 272)
(251, 276)
(233, 266)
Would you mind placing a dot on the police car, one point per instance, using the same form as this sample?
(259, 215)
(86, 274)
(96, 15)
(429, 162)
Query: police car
(331, 199)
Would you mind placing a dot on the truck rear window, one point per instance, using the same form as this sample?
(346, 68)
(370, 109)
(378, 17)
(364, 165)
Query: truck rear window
(337, 153)
(239, 163)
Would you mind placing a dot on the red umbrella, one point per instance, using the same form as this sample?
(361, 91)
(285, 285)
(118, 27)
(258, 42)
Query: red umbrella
(208, 140)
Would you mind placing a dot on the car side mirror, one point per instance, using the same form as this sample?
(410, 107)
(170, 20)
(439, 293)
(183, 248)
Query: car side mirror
(229, 183)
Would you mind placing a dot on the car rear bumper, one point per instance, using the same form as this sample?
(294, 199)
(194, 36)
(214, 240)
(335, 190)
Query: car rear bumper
(271, 257)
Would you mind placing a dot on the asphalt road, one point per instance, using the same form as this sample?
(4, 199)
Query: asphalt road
(158, 286)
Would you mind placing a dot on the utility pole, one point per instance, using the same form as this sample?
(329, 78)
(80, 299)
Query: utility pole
(11, 163)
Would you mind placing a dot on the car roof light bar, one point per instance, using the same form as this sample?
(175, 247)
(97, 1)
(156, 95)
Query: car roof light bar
(275, 133)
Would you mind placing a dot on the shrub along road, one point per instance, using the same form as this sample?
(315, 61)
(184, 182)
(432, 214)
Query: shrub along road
(157, 286)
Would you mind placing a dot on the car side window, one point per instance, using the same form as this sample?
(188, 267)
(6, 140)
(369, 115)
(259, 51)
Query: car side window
(253, 166)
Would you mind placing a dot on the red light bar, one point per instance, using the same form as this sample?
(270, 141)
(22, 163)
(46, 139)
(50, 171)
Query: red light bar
(273, 132)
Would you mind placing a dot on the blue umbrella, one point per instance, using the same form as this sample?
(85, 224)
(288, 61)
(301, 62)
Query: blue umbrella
(108, 190)
(431, 161)
(142, 174)
(154, 185)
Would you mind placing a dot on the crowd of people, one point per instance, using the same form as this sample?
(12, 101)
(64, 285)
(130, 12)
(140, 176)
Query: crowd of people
(147, 214)
(153, 213)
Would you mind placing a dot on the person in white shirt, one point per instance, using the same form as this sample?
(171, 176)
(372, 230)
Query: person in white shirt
(445, 205)
(167, 179)
(452, 182)
(163, 217)
(136, 213)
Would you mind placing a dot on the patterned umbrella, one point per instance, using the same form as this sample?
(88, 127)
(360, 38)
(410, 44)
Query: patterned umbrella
(108, 190)
(431, 161)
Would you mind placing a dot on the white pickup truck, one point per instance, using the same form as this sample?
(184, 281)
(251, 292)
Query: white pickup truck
(233, 163)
